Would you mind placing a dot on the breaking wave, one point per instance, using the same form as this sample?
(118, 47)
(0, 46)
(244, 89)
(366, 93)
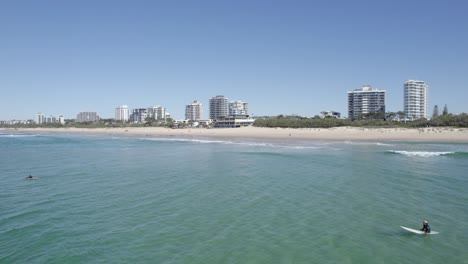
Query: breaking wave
(349, 142)
(229, 142)
(17, 135)
(428, 154)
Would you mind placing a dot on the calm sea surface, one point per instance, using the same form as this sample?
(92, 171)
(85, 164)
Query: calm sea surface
(109, 199)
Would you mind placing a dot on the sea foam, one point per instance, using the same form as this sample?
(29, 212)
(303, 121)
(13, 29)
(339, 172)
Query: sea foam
(229, 142)
(17, 135)
(425, 154)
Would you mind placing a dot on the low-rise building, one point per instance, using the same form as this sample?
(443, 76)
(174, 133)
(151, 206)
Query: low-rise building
(326, 114)
(233, 121)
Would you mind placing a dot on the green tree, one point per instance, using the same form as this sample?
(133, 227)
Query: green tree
(445, 111)
(390, 116)
(401, 115)
(169, 122)
(150, 121)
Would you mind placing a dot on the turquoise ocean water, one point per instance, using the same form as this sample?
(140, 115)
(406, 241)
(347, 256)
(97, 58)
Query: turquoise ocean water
(103, 199)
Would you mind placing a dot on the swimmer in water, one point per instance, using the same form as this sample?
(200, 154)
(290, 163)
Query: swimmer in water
(30, 177)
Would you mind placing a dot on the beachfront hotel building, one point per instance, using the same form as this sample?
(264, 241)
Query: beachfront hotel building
(416, 100)
(157, 112)
(194, 111)
(233, 121)
(218, 107)
(238, 108)
(365, 100)
(51, 120)
(122, 113)
(87, 117)
(40, 118)
(139, 115)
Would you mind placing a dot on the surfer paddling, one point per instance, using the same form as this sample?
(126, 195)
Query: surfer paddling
(426, 228)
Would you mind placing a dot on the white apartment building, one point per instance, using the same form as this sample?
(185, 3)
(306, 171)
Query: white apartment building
(51, 120)
(416, 99)
(158, 112)
(194, 111)
(238, 108)
(365, 100)
(40, 118)
(218, 107)
(87, 117)
(61, 120)
(139, 115)
(122, 113)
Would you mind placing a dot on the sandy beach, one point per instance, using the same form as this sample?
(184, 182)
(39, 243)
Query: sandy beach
(440, 134)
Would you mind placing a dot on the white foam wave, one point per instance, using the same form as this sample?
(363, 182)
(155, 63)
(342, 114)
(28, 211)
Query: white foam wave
(383, 144)
(425, 154)
(202, 141)
(17, 135)
(303, 147)
(367, 143)
(228, 142)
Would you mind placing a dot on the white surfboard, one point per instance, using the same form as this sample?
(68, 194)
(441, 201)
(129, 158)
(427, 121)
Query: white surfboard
(419, 232)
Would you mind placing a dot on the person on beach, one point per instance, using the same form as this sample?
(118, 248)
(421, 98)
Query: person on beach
(426, 228)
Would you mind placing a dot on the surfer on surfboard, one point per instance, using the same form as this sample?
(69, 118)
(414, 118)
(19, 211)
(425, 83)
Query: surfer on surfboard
(426, 228)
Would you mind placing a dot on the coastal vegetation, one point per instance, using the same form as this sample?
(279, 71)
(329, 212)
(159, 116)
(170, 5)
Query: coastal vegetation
(447, 120)
(103, 123)
(369, 120)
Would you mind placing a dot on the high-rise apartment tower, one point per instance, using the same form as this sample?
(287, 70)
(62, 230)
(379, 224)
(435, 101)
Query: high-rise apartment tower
(194, 111)
(122, 113)
(238, 108)
(365, 100)
(87, 117)
(416, 100)
(40, 118)
(158, 112)
(218, 107)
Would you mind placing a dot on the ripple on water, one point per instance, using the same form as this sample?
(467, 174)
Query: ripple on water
(141, 201)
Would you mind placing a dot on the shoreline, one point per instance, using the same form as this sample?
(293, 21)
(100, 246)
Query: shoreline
(431, 134)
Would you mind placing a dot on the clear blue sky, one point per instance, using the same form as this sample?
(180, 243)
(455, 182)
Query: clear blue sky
(283, 57)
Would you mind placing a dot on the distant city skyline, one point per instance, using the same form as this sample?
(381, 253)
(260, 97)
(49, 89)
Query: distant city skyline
(373, 102)
(62, 58)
